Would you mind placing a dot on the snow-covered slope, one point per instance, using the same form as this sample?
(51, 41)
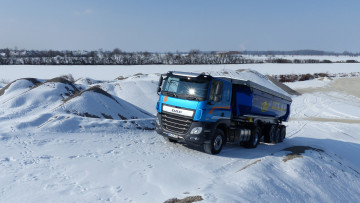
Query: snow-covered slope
(50, 151)
(139, 90)
(13, 72)
(29, 103)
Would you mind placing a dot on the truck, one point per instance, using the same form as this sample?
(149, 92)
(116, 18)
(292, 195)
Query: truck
(208, 111)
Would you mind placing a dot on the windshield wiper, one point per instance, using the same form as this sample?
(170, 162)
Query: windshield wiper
(186, 96)
(171, 94)
(192, 97)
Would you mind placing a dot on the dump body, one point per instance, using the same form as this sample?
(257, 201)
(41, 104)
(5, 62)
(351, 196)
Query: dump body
(250, 99)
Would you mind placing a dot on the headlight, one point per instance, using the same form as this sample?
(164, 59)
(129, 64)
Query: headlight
(196, 130)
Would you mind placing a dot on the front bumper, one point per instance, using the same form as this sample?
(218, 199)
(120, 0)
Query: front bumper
(192, 139)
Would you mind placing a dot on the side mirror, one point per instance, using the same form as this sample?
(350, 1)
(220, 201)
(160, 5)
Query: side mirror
(160, 80)
(159, 84)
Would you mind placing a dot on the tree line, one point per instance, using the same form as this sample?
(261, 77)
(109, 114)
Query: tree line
(119, 57)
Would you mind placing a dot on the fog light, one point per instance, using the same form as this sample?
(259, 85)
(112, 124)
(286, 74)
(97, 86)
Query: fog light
(196, 130)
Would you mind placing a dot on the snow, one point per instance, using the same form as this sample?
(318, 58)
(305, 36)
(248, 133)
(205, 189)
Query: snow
(319, 82)
(333, 59)
(48, 153)
(13, 72)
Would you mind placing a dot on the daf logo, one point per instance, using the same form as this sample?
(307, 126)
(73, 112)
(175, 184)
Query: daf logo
(176, 111)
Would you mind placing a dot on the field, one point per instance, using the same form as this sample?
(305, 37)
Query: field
(14, 72)
(93, 140)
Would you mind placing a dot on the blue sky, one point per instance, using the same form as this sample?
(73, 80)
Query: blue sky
(181, 25)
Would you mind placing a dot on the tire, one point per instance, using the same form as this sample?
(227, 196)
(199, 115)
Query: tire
(216, 143)
(277, 135)
(282, 133)
(172, 140)
(270, 134)
(255, 138)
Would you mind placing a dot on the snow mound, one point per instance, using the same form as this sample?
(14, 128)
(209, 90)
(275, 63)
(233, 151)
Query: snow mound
(130, 88)
(22, 99)
(17, 86)
(59, 105)
(97, 103)
(85, 82)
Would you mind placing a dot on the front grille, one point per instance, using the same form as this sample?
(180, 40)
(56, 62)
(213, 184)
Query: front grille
(175, 124)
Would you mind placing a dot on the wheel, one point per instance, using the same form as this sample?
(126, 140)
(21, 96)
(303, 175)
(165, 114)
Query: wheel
(216, 143)
(255, 138)
(172, 140)
(270, 134)
(282, 133)
(277, 135)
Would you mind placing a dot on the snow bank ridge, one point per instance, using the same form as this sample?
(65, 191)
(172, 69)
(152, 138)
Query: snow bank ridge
(36, 102)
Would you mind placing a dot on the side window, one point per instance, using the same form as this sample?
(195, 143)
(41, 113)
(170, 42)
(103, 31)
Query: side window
(172, 84)
(216, 91)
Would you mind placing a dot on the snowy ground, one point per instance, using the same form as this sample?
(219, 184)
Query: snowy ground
(13, 72)
(51, 154)
(333, 59)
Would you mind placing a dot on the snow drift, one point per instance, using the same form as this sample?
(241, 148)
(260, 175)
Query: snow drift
(40, 102)
(65, 141)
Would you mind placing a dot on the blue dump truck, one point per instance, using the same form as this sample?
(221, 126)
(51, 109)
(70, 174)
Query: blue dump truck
(207, 111)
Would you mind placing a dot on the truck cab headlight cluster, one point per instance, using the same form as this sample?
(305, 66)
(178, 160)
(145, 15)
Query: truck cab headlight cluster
(196, 130)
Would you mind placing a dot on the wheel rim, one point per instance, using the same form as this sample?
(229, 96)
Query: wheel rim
(218, 142)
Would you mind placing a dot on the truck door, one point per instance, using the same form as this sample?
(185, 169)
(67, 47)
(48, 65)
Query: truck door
(219, 101)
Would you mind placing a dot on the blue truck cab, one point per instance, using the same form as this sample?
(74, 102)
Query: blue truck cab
(208, 111)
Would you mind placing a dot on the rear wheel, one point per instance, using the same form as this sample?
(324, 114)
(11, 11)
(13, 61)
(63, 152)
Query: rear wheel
(216, 143)
(282, 133)
(255, 138)
(277, 135)
(270, 134)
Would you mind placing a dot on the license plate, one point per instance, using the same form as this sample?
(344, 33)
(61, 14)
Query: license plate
(172, 135)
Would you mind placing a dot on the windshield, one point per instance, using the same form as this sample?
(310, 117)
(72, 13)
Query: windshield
(186, 87)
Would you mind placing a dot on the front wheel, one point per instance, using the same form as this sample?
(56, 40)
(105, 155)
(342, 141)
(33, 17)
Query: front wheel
(216, 143)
